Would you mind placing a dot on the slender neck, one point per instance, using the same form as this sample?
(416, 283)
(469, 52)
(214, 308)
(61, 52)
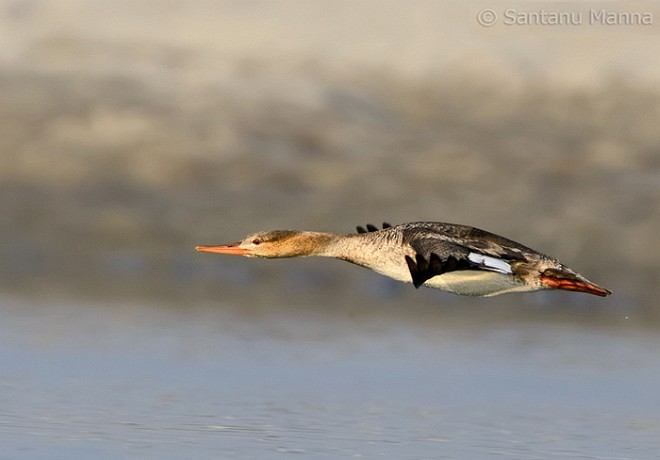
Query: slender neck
(317, 244)
(353, 248)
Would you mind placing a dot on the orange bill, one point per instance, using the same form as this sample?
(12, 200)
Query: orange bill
(232, 249)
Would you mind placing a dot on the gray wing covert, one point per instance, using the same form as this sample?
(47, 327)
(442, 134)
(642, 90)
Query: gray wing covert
(437, 253)
(435, 256)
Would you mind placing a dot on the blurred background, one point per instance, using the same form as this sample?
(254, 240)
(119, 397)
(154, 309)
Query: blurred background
(131, 132)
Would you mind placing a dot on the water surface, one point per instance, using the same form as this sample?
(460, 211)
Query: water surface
(147, 381)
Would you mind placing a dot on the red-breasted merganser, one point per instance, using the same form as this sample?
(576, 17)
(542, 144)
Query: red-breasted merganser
(450, 257)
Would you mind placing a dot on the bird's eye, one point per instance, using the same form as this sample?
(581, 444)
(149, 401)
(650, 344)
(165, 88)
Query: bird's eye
(256, 241)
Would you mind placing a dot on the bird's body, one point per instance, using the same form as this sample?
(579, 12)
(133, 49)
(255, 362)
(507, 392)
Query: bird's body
(450, 257)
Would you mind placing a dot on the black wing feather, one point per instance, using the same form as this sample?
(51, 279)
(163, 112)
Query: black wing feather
(438, 253)
(422, 270)
(371, 228)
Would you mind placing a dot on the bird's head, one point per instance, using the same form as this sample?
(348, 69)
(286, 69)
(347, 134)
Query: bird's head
(273, 244)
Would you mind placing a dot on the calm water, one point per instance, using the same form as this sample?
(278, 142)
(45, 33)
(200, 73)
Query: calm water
(147, 381)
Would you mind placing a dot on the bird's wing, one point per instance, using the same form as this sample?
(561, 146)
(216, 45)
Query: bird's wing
(438, 253)
(371, 228)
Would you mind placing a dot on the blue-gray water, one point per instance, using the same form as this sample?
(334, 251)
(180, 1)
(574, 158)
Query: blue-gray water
(112, 381)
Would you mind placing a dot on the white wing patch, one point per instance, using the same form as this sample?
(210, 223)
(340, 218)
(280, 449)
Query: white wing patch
(493, 263)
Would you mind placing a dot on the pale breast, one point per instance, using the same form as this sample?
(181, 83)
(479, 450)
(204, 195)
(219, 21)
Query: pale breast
(477, 283)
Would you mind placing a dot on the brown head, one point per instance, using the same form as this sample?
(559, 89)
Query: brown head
(274, 244)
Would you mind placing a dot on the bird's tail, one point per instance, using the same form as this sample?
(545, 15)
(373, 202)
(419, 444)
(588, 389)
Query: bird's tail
(570, 281)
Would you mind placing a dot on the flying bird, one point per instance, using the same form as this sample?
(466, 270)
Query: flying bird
(454, 258)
